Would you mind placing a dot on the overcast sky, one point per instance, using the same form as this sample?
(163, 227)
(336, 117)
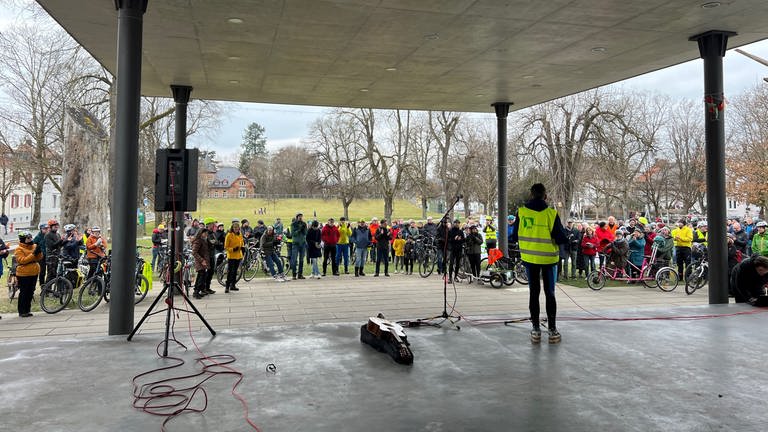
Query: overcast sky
(288, 124)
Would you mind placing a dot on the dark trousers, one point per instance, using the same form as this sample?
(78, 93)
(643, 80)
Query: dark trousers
(329, 253)
(41, 276)
(51, 263)
(455, 262)
(233, 265)
(474, 264)
(683, 255)
(490, 244)
(93, 264)
(408, 264)
(26, 291)
(382, 255)
(537, 272)
(202, 280)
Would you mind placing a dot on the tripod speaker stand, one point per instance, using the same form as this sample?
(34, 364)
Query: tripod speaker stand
(174, 169)
(452, 319)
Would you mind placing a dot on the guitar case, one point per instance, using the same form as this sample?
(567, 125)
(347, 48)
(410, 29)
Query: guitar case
(388, 338)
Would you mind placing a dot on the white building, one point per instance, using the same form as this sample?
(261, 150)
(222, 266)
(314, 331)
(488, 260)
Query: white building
(19, 206)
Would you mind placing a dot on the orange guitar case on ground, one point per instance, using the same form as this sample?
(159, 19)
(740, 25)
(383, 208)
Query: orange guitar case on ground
(386, 336)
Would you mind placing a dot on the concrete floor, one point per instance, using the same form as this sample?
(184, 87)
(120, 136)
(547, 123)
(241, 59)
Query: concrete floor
(701, 375)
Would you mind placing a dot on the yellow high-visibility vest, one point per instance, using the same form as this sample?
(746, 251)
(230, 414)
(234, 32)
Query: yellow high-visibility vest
(490, 232)
(535, 236)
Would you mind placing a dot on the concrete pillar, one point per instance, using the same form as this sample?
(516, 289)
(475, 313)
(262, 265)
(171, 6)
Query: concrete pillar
(129, 34)
(502, 110)
(712, 46)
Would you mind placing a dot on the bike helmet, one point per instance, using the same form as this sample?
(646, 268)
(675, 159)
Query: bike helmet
(209, 220)
(69, 227)
(23, 235)
(511, 217)
(52, 222)
(701, 224)
(43, 225)
(161, 226)
(762, 224)
(95, 229)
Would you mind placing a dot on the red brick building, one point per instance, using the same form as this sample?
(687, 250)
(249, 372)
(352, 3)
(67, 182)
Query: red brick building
(227, 182)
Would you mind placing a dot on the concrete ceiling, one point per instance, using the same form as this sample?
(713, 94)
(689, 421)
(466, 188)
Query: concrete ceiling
(457, 55)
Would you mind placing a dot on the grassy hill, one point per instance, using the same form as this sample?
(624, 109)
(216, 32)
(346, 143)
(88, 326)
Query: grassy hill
(226, 209)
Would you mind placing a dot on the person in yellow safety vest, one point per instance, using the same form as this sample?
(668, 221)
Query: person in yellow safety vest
(490, 234)
(683, 237)
(538, 232)
(700, 235)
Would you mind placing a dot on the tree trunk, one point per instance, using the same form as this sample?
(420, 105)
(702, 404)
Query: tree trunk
(423, 207)
(85, 185)
(389, 206)
(346, 203)
(37, 193)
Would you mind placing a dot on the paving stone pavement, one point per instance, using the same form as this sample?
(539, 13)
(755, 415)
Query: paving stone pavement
(265, 302)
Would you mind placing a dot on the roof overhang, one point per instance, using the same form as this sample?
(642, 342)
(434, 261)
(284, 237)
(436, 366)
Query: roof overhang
(457, 55)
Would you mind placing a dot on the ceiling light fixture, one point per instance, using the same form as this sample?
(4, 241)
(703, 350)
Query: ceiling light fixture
(529, 76)
(390, 69)
(234, 20)
(432, 36)
(599, 49)
(710, 5)
(233, 58)
(364, 90)
(234, 82)
(536, 85)
(479, 95)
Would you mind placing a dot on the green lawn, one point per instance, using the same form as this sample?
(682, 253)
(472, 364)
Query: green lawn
(225, 210)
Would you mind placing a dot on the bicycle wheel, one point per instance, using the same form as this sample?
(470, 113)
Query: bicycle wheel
(221, 273)
(91, 293)
(596, 280)
(142, 288)
(667, 279)
(426, 266)
(13, 288)
(647, 277)
(704, 278)
(692, 283)
(484, 264)
(521, 275)
(55, 295)
(249, 269)
(496, 280)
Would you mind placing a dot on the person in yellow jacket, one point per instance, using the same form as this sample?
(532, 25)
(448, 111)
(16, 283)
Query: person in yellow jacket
(683, 237)
(233, 245)
(27, 268)
(342, 247)
(538, 232)
(398, 245)
(490, 233)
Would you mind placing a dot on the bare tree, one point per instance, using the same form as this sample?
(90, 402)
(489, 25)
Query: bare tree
(420, 163)
(685, 132)
(443, 126)
(342, 163)
(295, 171)
(560, 134)
(386, 154)
(481, 173)
(747, 158)
(36, 68)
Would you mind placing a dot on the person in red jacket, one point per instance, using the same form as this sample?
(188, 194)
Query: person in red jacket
(373, 227)
(589, 245)
(605, 237)
(330, 237)
(649, 236)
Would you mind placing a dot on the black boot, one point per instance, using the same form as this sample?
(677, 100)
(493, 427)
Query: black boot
(357, 272)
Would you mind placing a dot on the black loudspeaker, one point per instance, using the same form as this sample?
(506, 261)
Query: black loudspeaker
(176, 180)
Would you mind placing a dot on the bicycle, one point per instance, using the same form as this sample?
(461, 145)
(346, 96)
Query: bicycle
(57, 292)
(92, 290)
(142, 285)
(697, 274)
(13, 282)
(425, 254)
(665, 278)
(511, 269)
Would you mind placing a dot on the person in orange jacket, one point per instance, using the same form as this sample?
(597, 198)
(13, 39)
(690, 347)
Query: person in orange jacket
(28, 256)
(96, 249)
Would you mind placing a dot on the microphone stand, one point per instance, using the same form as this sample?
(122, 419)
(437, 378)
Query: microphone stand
(452, 319)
